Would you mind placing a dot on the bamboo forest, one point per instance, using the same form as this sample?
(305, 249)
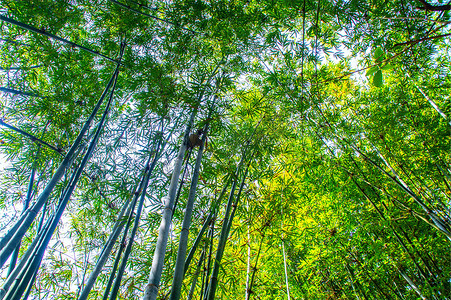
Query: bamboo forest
(225, 149)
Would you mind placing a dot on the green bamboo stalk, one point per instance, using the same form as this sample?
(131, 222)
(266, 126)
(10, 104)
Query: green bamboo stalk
(149, 170)
(395, 233)
(207, 222)
(10, 241)
(439, 223)
(15, 254)
(210, 235)
(122, 246)
(228, 218)
(127, 209)
(15, 277)
(181, 253)
(222, 238)
(357, 283)
(122, 243)
(195, 276)
(411, 283)
(254, 269)
(26, 275)
(52, 36)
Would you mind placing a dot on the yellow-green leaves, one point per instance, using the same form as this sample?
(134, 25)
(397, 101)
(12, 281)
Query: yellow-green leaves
(376, 70)
(377, 78)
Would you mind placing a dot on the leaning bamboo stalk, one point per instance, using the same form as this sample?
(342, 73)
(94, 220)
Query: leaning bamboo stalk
(127, 209)
(15, 253)
(222, 239)
(432, 103)
(30, 136)
(149, 170)
(17, 92)
(210, 239)
(15, 234)
(195, 276)
(438, 222)
(207, 222)
(14, 277)
(33, 265)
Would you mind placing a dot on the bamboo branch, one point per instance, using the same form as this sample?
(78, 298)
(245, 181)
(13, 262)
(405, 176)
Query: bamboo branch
(422, 40)
(52, 36)
(430, 7)
(32, 137)
(150, 16)
(16, 92)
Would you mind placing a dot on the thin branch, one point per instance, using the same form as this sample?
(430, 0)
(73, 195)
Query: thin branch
(430, 7)
(366, 68)
(32, 137)
(16, 92)
(21, 68)
(422, 40)
(43, 32)
(416, 19)
(150, 16)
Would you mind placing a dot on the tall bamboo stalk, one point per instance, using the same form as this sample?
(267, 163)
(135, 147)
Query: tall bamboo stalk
(127, 209)
(151, 289)
(195, 276)
(208, 221)
(149, 170)
(28, 273)
(228, 215)
(15, 254)
(181, 254)
(10, 241)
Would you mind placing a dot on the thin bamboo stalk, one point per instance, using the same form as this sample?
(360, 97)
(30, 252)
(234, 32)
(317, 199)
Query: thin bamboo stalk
(149, 170)
(127, 209)
(16, 92)
(33, 265)
(151, 289)
(207, 222)
(10, 241)
(195, 276)
(223, 237)
(15, 254)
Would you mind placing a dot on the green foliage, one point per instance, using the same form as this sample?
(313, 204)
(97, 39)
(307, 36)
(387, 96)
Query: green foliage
(348, 156)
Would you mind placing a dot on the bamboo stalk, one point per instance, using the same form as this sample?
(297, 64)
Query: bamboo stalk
(151, 289)
(17, 92)
(181, 253)
(15, 234)
(27, 275)
(149, 170)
